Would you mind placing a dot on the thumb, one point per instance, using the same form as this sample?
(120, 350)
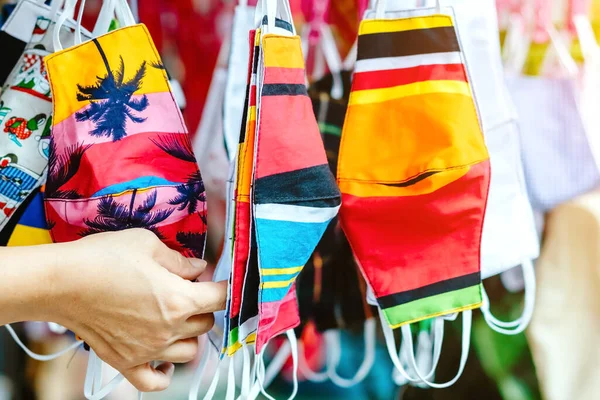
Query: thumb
(146, 378)
(173, 261)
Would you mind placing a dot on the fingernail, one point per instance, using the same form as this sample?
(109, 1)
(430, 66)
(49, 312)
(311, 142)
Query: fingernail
(198, 263)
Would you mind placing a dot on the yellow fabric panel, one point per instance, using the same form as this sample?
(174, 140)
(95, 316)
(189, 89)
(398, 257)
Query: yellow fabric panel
(277, 284)
(280, 271)
(398, 140)
(83, 64)
(427, 185)
(372, 26)
(282, 51)
(28, 236)
(411, 89)
(246, 159)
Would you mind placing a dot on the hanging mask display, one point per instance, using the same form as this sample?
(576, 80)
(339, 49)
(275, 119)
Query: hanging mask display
(414, 195)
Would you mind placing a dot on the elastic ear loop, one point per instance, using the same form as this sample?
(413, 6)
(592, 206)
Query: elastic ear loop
(69, 9)
(245, 390)
(390, 342)
(333, 345)
(264, 379)
(466, 342)
(40, 357)
(230, 392)
(93, 379)
(521, 323)
(436, 336)
(334, 62)
(306, 371)
(199, 374)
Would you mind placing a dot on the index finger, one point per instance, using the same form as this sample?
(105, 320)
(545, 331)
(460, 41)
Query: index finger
(207, 297)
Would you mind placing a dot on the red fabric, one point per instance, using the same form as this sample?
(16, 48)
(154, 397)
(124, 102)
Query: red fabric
(430, 237)
(125, 160)
(241, 252)
(284, 124)
(405, 76)
(285, 75)
(286, 318)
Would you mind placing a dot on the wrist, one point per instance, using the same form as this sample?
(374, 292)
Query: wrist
(32, 284)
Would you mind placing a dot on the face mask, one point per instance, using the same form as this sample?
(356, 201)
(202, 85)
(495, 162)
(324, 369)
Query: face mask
(414, 195)
(25, 121)
(164, 195)
(552, 129)
(243, 321)
(509, 235)
(233, 106)
(294, 194)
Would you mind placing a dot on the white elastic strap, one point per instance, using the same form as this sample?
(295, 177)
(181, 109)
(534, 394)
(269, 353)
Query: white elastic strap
(245, 390)
(124, 14)
(230, 392)
(78, 25)
(466, 342)
(334, 61)
(306, 371)
(135, 10)
(95, 370)
(212, 389)
(563, 51)
(332, 342)
(380, 8)
(264, 379)
(197, 379)
(348, 64)
(105, 17)
(69, 9)
(40, 357)
(55, 8)
(390, 343)
(587, 39)
(437, 336)
(521, 323)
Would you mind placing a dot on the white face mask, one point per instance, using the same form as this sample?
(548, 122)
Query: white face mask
(509, 236)
(235, 89)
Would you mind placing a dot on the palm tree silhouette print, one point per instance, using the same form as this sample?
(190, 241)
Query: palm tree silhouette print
(190, 194)
(114, 216)
(192, 242)
(111, 100)
(63, 167)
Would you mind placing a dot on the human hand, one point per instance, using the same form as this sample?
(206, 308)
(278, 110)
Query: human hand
(131, 299)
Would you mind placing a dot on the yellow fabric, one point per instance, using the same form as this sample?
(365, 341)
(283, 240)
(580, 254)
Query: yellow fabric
(565, 330)
(425, 186)
(82, 65)
(421, 133)
(28, 236)
(277, 284)
(398, 25)
(246, 159)
(411, 89)
(275, 45)
(280, 271)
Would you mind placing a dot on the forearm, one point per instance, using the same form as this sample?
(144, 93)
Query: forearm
(29, 282)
